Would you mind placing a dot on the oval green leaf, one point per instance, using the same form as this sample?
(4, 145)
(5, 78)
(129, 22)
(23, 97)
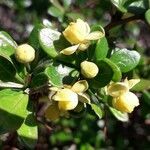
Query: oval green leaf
(101, 49)
(125, 59)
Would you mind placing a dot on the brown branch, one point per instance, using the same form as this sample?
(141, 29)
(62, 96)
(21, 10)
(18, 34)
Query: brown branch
(120, 22)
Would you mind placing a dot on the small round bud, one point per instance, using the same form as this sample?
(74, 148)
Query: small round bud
(89, 69)
(25, 53)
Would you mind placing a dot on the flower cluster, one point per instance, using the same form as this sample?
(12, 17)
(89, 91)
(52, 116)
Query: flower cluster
(67, 98)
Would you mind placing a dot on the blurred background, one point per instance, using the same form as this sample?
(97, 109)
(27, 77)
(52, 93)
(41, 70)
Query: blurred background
(18, 17)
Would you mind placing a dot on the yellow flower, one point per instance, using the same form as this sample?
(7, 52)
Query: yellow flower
(68, 98)
(89, 69)
(25, 53)
(78, 34)
(123, 99)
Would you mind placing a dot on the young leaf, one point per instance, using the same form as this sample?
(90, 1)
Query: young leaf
(101, 49)
(46, 38)
(7, 44)
(98, 111)
(54, 77)
(13, 106)
(125, 59)
(119, 115)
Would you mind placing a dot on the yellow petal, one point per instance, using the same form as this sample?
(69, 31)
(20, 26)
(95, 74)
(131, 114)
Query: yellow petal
(52, 112)
(131, 83)
(70, 50)
(126, 102)
(76, 32)
(65, 95)
(84, 46)
(68, 105)
(116, 89)
(95, 35)
(80, 86)
(84, 98)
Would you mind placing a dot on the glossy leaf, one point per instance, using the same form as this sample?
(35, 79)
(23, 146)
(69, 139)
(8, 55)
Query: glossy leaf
(125, 59)
(54, 77)
(7, 44)
(46, 38)
(12, 109)
(98, 111)
(119, 115)
(101, 49)
(133, 6)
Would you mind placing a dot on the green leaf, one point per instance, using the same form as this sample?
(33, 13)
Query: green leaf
(98, 111)
(117, 72)
(28, 132)
(125, 59)
(13, 106)
(147, 16)
(46, 38)
(119, 115)
(144, 84)
(104, 76)
(55, 12)
(39, 80)
(101, 49)
(33, 38)
(7, 44)
(7, 70)
(68, 74)
(54, 77)
(133, 6)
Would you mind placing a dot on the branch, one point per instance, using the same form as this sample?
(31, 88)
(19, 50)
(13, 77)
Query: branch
(120, 22)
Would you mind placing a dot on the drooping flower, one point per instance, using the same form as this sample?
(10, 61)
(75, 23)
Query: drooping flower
(123, 100)
(79, 35)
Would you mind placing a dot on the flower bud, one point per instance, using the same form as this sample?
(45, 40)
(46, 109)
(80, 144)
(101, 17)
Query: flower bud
(125, 102)
(89, 69)
(25, 53)
(76, 32)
